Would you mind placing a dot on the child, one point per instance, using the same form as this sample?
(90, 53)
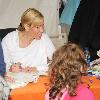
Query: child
(66, 69)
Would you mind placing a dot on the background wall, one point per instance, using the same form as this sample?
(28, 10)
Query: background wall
(11, 11)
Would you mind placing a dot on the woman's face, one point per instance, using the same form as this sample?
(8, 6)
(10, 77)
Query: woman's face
(36, 31)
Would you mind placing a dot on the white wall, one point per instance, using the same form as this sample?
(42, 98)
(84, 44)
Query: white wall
(11, 11)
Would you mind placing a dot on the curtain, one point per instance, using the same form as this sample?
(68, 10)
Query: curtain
(11, 11)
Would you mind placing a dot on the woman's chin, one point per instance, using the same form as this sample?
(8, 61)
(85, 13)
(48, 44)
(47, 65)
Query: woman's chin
(38, 38)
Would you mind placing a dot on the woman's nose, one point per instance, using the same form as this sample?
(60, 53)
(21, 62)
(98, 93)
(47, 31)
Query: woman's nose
(42, 29)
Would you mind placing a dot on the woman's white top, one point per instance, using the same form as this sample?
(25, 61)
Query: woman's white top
(34, 55)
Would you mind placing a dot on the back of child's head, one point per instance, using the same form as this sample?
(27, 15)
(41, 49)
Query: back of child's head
(66, 69)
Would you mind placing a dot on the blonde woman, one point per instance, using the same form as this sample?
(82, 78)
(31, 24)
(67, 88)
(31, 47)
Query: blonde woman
(28, 48)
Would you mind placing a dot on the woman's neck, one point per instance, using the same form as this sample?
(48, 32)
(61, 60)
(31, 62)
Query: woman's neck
(25, 39)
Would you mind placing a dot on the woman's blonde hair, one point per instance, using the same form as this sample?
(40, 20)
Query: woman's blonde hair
(67, 66)
(31, 17)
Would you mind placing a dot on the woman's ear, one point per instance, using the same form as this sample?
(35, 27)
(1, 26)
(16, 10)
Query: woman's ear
(27, 27)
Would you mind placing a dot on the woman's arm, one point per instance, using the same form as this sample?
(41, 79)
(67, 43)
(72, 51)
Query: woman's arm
(49, 47)
(6, 54)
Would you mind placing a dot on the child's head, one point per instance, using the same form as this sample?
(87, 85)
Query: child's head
(66, 69)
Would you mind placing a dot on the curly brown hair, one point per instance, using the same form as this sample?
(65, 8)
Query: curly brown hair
(66, 69)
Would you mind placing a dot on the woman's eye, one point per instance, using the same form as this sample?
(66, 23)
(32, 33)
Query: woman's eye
(37, 27)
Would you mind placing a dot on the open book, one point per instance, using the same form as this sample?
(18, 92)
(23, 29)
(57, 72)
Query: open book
(22, 79)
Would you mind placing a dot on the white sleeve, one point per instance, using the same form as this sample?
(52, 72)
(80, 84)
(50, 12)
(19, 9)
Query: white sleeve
(6, 54)
(49, 47)
(42, 68)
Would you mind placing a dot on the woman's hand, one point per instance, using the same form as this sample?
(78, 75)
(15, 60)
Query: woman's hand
(29, 69)
(8, 78)
(15, 68)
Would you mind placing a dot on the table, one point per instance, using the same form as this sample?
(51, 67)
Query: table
(33, 91)
(36, 91)
(94, 85)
